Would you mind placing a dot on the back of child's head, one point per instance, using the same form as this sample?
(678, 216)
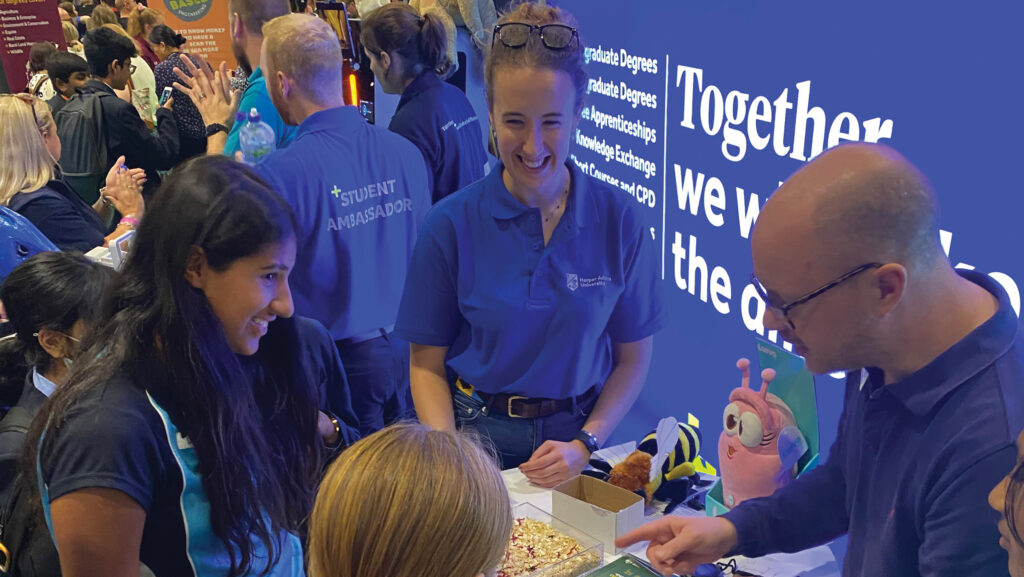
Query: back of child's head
(61, 65)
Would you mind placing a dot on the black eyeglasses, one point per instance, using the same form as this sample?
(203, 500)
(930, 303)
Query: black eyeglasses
(517, 34)
(783, 310)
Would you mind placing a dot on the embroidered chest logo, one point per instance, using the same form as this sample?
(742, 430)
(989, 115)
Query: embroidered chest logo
(574, 281)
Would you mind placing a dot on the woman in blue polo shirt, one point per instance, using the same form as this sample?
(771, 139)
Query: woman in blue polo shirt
(535, 287)
(408, 55)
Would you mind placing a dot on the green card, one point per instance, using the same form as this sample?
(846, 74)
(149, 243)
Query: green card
(794, 384)
(625, 566)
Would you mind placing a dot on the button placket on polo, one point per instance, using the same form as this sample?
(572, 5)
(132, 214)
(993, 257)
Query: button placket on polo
(539, 287)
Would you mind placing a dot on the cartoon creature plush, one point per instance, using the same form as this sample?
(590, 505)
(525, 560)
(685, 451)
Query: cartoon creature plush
(759, 449)
(678, 445)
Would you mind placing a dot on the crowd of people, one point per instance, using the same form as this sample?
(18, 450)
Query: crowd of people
(239, 398)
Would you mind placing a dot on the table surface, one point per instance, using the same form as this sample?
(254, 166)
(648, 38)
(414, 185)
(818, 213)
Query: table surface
(817, 562)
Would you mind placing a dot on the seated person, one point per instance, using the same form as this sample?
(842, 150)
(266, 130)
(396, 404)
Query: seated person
(51, 300)
(69, 73)
(849, 263)
(446, 508)
(29, 151)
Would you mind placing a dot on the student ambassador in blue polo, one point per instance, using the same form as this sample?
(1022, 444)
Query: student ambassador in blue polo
(534, 288)
(407, 54)
(359, 193)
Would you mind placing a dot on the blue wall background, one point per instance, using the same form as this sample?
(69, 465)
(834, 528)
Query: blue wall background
(946, 75)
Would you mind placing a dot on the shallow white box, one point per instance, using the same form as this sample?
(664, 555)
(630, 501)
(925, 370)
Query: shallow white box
(604, 511)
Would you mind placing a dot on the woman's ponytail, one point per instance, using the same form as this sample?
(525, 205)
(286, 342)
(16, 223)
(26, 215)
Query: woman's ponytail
(433, 41)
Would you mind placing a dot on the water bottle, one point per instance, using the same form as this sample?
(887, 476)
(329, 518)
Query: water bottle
(256, 138)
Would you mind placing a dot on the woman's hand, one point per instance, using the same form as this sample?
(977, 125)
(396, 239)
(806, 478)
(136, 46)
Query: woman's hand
(124, 188)
(209, 90)
(554, 462)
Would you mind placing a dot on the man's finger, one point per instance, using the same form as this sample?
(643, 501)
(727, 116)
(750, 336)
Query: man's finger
(654, 531)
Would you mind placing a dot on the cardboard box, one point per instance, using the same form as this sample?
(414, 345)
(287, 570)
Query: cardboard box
(604, 511)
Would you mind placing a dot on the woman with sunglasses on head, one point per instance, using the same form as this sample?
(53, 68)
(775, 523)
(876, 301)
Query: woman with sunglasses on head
(409, 56)
(187, 438)
(535, 287)
(31, 184)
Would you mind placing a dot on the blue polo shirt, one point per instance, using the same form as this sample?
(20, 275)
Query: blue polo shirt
(521, 317)
(359, 193)
(438, 118)
(912, 465)
(256, 96)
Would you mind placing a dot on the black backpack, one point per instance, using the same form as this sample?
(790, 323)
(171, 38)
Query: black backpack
(83, 157)
(26, 548)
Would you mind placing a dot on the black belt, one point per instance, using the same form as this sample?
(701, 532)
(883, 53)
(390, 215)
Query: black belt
(369, 335)
(520, 407)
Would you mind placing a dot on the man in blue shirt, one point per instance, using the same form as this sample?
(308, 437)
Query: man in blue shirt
(217, 106)
(359, 193)
(847, 258)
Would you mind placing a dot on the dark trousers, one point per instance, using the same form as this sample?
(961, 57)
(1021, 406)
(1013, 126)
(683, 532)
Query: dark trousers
(378, 374)
(516, 439)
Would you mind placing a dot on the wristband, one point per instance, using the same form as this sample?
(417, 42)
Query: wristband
(588, 439)
(214, 128)
(129, 221)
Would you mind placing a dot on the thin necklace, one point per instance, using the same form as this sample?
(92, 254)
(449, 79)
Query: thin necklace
(562, 199)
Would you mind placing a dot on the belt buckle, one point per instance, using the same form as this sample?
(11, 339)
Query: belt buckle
(509, 407)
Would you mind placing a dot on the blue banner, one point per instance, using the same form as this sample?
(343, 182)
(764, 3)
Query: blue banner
(699, 110)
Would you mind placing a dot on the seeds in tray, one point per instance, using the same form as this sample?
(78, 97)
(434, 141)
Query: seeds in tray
(535, 545)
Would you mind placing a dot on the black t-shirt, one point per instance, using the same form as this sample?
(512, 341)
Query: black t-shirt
(119, 436)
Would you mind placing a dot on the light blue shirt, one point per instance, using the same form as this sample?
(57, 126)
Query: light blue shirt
(256, 96)
(359, 193)
(43, 384)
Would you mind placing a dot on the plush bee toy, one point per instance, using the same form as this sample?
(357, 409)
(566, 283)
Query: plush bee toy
(662, 467)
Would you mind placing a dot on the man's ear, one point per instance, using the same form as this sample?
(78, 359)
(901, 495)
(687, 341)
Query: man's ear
(237, 27)
(385, 61)
(284, 83)
(195, 266)
(890, 282)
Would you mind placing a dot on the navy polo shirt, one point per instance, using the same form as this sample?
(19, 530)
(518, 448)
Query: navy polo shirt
(438, 118)
(521, 317)
(359, 193)
(912, 465)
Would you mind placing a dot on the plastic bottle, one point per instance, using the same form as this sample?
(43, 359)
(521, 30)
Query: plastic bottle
(256, 138)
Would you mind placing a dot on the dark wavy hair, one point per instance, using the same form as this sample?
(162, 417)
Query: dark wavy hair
(51, 290)
(1013, 502)
(163, 34)
(252, 420)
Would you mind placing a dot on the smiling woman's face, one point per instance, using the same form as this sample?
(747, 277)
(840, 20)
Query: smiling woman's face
(997, 500)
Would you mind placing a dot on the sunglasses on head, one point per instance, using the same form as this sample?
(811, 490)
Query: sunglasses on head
(517, 34)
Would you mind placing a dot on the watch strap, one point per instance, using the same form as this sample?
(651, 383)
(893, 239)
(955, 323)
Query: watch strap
(214, 128)
(588, 439)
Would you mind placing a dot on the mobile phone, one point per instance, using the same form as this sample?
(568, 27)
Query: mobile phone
(165, 94)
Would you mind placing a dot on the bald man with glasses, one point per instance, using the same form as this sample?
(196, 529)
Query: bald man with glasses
(848, 261)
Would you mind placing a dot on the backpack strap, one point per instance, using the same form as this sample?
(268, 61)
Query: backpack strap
(17, 419)
(34, 89)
